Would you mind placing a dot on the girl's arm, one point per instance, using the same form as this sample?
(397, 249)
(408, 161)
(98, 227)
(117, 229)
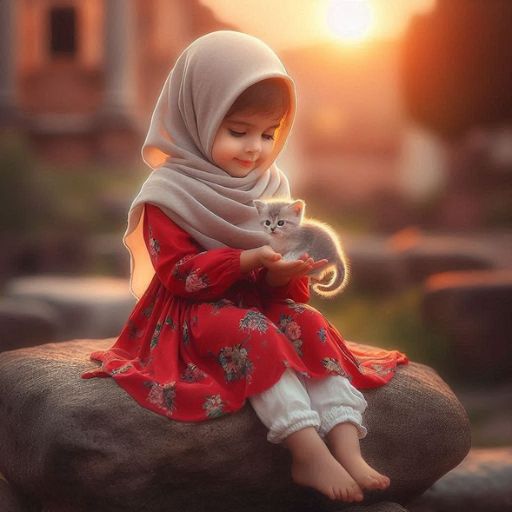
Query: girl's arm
(182, 265)
(283, 279)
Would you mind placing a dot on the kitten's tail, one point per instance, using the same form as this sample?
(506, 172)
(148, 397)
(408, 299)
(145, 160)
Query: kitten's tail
(337, 282)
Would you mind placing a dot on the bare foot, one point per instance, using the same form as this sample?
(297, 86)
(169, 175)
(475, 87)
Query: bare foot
(314, 466)
(344, 442)
(365, 475)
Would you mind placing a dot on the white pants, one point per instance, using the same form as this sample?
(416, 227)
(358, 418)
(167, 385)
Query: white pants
(294, 403)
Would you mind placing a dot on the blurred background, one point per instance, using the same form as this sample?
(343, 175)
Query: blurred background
(403, 142)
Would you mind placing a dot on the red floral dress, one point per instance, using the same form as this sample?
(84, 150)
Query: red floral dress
(205, 336)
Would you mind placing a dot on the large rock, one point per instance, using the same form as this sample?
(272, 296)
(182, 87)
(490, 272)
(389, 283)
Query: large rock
(88, 307)
(109, 254)
(481, 483)
(80, 445)
(384, 506)
(374, 265)
(474, 309)
(490, 413)
(24, 323)
(64, 251)
(428, 254)
(9, 501)
(410, 256)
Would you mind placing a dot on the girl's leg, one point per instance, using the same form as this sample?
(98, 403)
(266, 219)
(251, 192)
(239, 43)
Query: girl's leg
(285, 409)
(343, 439)
(341, 407)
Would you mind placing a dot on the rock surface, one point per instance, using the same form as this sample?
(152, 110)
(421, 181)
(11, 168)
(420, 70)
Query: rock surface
(9, 501)
(481, 483)
(427, 254)
(407, 258)
(384, 506)
(79, 445)
(88, 307)
(474, 308)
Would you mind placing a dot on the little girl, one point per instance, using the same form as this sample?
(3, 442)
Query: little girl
(221, 318)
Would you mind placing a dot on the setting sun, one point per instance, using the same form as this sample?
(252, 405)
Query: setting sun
(350, 20)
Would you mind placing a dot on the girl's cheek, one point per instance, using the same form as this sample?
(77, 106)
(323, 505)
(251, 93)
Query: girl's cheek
(269, 147)
(237, 144)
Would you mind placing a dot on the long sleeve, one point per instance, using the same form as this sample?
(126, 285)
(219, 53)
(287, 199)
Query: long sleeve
(297, 289)
(182, 265)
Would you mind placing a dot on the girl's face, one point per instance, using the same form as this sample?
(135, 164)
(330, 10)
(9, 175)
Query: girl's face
(244, 142)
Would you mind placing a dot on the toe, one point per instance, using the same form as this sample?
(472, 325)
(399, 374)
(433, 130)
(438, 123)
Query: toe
(356, 493)
(382, 482)
(374, 483)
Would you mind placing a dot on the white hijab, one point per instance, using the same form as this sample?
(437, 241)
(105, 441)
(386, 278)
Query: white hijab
(212, 206)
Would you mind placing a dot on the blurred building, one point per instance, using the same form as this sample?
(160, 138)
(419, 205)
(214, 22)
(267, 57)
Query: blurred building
(80, 78)
(350, 125)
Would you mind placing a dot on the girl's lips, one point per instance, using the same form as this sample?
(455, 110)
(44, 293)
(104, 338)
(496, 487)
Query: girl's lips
(245, 163)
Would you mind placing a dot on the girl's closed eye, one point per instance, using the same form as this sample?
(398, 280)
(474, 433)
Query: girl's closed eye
(234, 133)
(268, 136)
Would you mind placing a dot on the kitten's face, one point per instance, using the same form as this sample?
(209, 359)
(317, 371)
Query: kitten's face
(279, 218)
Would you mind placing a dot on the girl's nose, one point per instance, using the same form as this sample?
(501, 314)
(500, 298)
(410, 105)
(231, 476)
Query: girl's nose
(253, 145)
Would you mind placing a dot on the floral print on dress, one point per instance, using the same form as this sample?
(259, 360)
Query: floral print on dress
(195, 282)
(322, 334)
(186, 333)
(178, 272)
(154, 245)
(156, 336)
(134, 331)
(122, 369)
(235, 362)
(219, 304)
(291, 329)
(378, 369)
(332, 365)
(192, 373)
(162, 395)
(214, 406)
(298, 308)
(254, 321)
(148, 311)
(169, 322)
(146, 363)
(297, 344)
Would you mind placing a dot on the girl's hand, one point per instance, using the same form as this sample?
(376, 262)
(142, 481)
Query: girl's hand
(261, 256)
(316, 264)
(280, 272)
(267, 256)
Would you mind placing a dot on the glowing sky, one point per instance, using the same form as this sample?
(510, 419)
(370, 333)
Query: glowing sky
(288, 23)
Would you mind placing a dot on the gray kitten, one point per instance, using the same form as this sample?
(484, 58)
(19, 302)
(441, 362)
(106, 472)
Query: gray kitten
(292, 236)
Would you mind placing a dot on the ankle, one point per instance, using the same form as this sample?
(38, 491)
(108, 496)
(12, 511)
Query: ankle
(343, 434)
(304, 444)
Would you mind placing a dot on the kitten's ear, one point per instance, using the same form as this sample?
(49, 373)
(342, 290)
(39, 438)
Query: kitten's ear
(298, 208)
(259, 205)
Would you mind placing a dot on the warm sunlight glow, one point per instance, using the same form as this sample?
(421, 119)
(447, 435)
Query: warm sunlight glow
(350, 20)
